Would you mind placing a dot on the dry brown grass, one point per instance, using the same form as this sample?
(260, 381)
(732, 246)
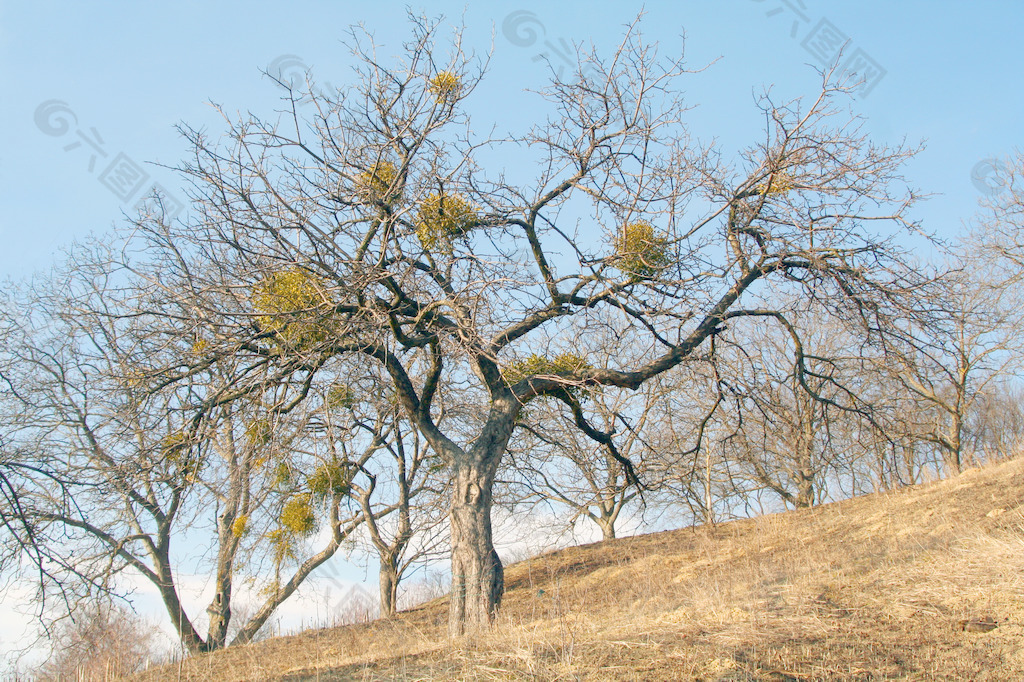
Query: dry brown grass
(870, 588)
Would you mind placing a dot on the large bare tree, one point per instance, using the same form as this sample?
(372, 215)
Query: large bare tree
(376, 223)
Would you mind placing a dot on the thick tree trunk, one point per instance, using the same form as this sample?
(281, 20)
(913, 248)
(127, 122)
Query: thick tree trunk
(179, 619)
(219, 612)
(607, 526)
(805, 488)
(388, 587)
(477, 576)
(954, 448)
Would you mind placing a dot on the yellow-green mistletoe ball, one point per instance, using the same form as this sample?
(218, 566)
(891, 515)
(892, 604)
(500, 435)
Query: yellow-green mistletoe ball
(380, 183)
(283, 474)
(538, 365)
(445, 86)
(293, 303)
(173, 445)
(442, 217)
(534, 365)
(297, 516)
(780, 184)
(640, 250)
(330, 478)
(340, 397)
(259, 431)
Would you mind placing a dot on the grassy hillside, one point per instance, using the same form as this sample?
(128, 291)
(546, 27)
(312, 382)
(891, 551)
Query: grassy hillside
(877, 587)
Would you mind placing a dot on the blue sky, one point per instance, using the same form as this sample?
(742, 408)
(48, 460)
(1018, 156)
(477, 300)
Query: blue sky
(129, 71)
(122, 74)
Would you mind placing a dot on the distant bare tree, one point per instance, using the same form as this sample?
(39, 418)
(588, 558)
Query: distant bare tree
(994, 429)
(100, 642)
(405, 525)
(971, 339)
(553, 461)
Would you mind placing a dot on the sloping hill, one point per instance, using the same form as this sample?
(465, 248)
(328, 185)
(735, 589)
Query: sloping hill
(877, 587)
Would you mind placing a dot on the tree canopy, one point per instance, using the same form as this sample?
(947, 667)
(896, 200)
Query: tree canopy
(375, 234)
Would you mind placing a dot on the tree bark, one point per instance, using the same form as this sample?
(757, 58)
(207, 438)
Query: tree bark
(805, 488)
(388, 586)
(219, 610)
(478, 579)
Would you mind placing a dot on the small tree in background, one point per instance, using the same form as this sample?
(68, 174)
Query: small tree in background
(101, 641)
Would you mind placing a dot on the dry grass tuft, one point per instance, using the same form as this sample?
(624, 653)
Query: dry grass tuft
(880, 587)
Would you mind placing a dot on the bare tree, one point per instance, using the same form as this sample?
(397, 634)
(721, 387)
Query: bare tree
(967, 344)
(553, 461)
(559, 465)
(101, 642)
(379, 228)
(406, 525)
(787, 431)
(139, 469)
(994, 429)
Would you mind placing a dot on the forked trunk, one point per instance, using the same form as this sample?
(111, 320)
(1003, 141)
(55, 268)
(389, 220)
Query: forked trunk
(477, 576)
(607, 526)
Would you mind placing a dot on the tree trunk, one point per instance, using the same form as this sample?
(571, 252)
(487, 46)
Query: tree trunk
(954, 450)
(388, 586)
(805, 488)
(477, 576)
(608, 514)
(219, 610)
(179, 619)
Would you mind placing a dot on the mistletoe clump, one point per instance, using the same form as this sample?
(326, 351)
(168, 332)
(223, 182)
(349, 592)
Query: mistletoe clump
(443, 217)
(176, 449)
(200, 346)
(340, 397)
(640, 250)
(172, 445)
(297, 516)
(293, 304)
(537, 365)
(379, 185)
(238, 526)
(330, 479)
(445, 86)
(283, 475)
(259, 431)
(781, 183)
(283, 544)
